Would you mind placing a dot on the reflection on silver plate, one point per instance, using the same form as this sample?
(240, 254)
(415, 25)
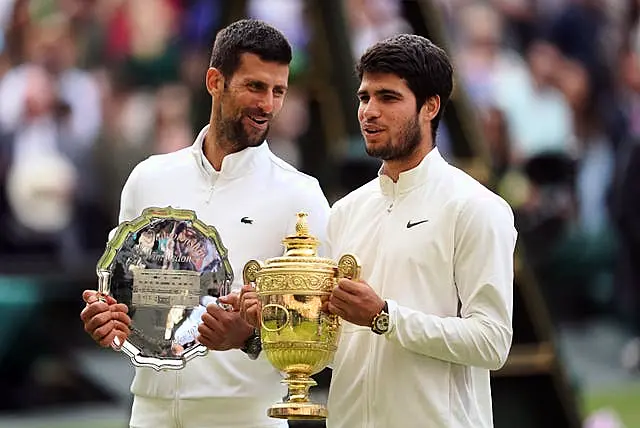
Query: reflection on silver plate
(166, 266)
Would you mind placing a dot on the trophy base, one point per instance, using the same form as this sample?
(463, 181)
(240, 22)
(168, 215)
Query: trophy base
(298, 411)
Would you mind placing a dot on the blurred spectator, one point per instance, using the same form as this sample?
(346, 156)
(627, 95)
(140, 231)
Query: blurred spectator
(595, 148)
(578, 32)
(288, 16)
(50, 116)
(625, 197)
(520, 20)
(142, 38)
(373, 20)
(483, 62)
(536, 110)
(523, 90)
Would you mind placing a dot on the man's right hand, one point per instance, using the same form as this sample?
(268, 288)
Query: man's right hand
(104, 318)
(250, 307)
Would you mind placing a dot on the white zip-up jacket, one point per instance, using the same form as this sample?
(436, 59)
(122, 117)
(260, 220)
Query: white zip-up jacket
(439, 247)
(252, 183)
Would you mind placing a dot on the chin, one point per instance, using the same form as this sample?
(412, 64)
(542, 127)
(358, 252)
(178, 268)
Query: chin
(256, 144)
(253, 138)
(259, 139)
(256, 139)
(375, 147)
(245, 143)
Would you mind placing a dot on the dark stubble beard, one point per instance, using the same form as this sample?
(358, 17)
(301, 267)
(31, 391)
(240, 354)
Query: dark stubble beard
(233, 132)
(408, 141)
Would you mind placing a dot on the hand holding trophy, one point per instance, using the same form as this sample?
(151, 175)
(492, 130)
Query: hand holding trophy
(297, 336)
(155, 280)
(104, 319)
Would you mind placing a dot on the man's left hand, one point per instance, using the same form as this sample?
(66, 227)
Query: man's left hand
(355, 302)
(222, 330)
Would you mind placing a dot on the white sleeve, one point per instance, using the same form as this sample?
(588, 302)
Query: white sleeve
(128, 198)
(481, 335)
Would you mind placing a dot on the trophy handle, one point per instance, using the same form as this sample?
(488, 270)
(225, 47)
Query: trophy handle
(104, 287)
(250, 271)
(349, 267)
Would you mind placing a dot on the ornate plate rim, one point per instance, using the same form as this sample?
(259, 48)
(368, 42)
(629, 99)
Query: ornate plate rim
(123, 230)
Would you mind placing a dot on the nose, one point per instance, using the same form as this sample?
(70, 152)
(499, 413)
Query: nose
(369, 110)
(266, 103)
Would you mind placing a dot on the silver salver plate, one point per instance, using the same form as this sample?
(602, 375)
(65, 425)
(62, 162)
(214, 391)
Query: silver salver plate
(166, 266)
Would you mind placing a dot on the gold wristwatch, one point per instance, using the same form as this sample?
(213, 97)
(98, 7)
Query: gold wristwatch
(380, 323)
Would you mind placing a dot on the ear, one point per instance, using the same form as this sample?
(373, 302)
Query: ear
(214, 81)
(430, 108)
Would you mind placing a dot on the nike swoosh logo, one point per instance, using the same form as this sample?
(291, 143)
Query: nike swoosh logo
(410, 225)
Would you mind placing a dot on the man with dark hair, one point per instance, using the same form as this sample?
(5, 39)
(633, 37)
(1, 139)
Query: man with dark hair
(427, 74)
(227, 176)
(432, 313)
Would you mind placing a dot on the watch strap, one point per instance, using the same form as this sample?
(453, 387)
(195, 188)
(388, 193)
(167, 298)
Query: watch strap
(252, 346)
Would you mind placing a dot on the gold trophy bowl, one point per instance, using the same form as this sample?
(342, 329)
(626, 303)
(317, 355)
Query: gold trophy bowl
(297, 336)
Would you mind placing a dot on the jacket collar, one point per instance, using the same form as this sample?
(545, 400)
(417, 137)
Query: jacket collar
(234, 165)
(412, 178)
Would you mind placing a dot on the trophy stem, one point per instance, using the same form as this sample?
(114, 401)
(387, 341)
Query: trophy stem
(298, 385)
(296, 405)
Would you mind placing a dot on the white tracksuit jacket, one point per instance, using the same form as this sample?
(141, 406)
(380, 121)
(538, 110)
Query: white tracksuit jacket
(438, 246)
(253, 183)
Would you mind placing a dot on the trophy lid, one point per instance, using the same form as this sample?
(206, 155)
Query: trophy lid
(302, 243)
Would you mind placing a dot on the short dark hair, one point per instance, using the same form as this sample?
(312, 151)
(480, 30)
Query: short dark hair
(419, 62)
(248, 36)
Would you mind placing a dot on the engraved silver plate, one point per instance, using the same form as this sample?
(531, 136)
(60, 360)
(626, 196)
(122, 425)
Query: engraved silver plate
(166, 266)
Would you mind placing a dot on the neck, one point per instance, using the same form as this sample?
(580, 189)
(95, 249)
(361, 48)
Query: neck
(214, 150)
(394, 167)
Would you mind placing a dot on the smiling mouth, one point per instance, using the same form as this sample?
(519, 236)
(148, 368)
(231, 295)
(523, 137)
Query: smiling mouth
(259, 122)
(372, 131)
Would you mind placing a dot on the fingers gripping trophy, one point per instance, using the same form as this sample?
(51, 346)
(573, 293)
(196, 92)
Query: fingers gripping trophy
(297, 336)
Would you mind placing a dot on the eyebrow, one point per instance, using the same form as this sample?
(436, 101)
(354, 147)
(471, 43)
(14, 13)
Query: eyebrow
(381, 92)
(262, 84)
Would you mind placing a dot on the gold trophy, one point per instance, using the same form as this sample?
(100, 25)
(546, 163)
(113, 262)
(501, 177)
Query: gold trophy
(297, 336)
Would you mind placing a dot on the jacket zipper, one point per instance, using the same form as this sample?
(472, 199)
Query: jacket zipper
(370, 384)
(212, 189)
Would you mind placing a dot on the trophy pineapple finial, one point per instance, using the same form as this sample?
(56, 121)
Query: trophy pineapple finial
(302, 228)
(302, 243)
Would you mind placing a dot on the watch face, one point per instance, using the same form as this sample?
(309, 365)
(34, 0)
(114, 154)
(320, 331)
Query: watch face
(254, 344)
(253, 347)
(382, 322)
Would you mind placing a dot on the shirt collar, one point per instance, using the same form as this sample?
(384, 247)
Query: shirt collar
(412, 178)
(234, 164)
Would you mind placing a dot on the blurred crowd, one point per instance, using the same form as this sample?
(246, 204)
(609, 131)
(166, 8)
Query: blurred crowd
(555, 85)
(90, 87)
